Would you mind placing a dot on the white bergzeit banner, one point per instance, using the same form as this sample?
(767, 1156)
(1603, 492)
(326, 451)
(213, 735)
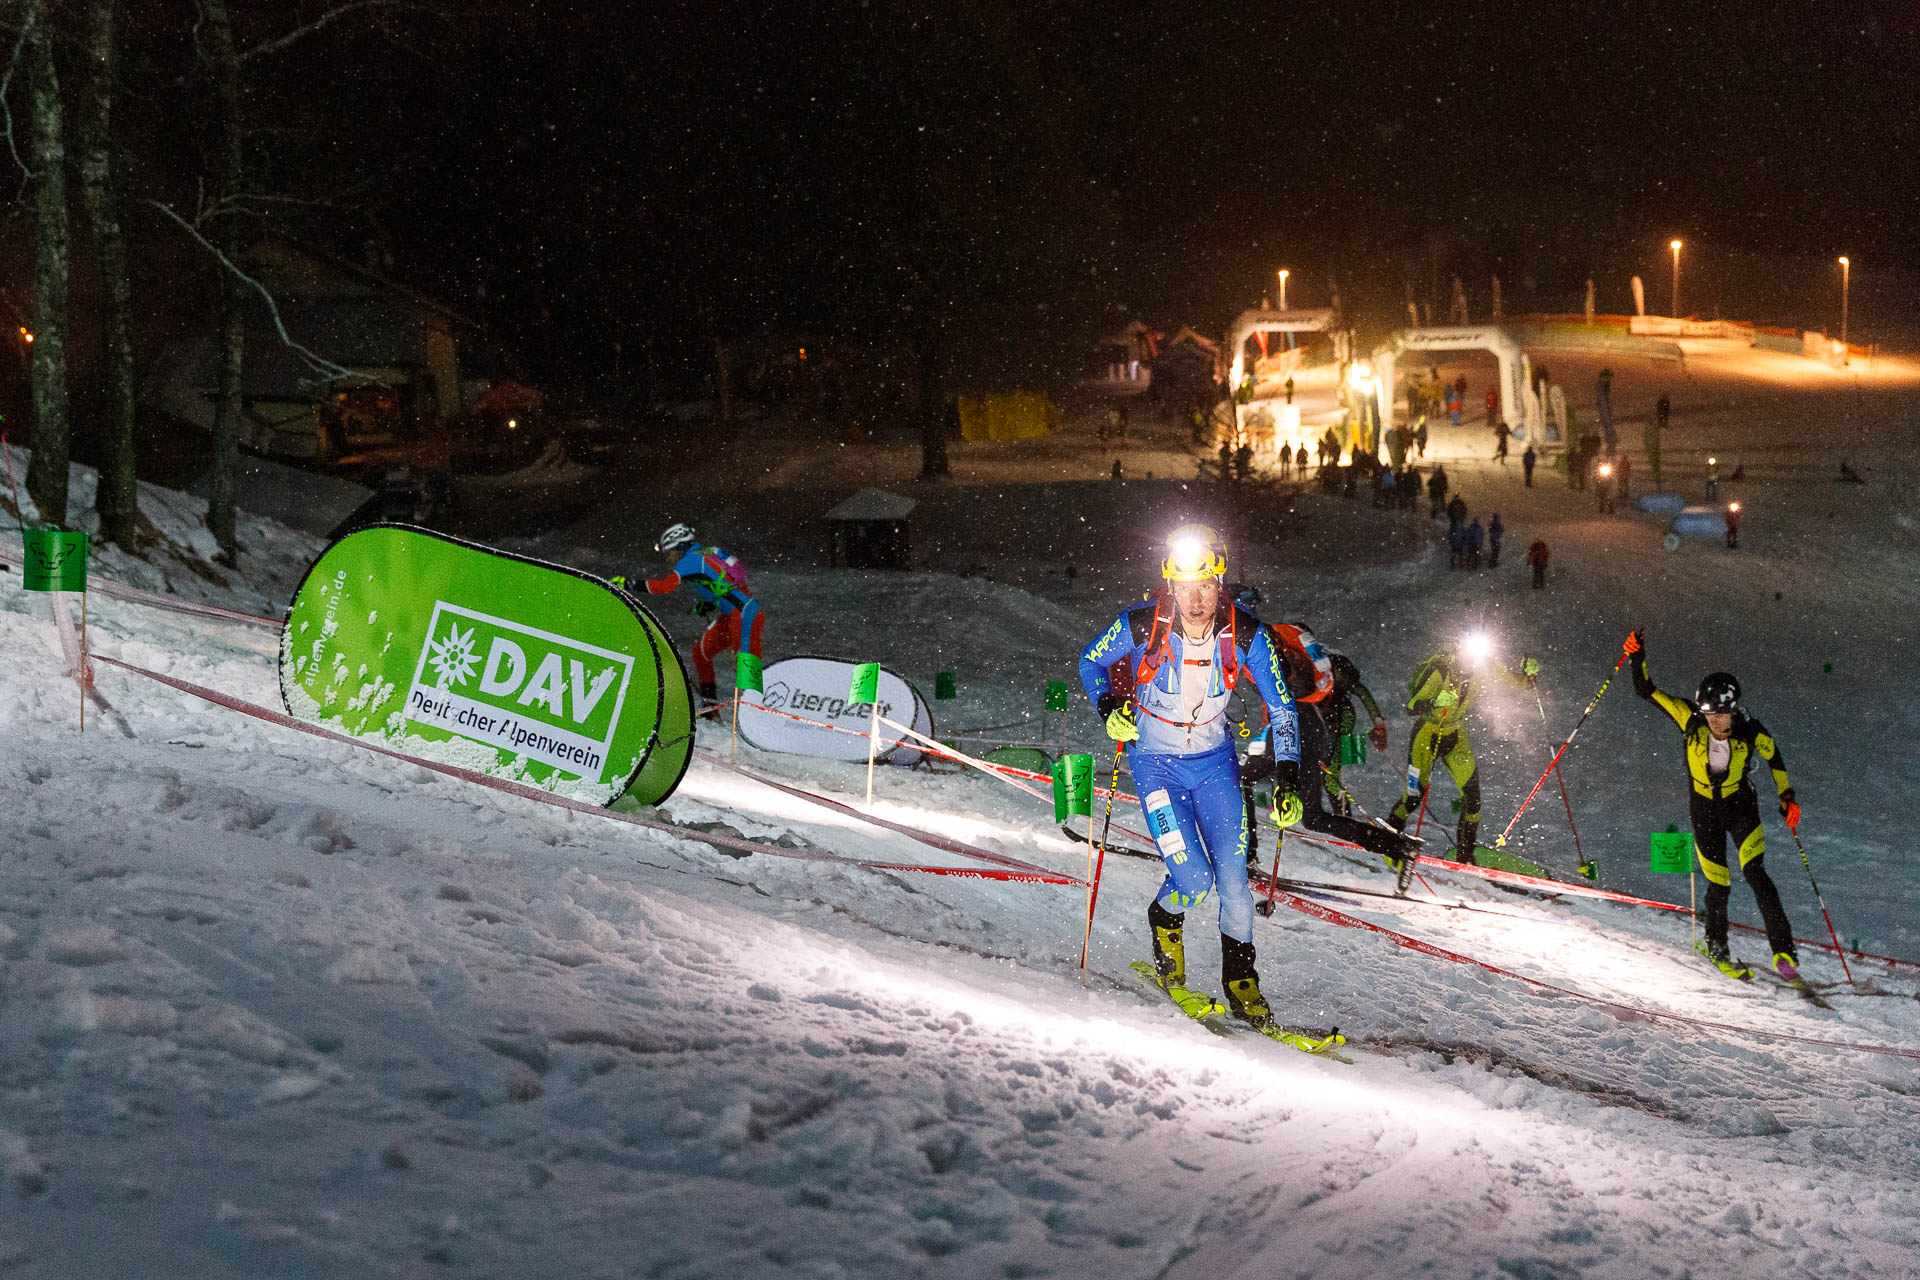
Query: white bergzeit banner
(817, 689)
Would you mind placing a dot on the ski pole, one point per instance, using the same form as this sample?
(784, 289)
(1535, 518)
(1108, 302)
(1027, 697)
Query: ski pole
(1844, 967)
(1599, 694)
(1093, 892)
(1584, 867)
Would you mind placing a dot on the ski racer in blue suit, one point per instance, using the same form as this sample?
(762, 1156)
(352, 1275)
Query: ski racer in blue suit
(1161, 677)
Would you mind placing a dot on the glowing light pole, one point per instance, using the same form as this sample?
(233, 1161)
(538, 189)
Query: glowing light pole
(1283, 287)
(1846, 270)
(1675, 246)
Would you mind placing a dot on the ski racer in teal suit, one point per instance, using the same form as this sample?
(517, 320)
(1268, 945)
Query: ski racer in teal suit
(1161, 678)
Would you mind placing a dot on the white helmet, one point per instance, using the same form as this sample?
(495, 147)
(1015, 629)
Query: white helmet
(676, 537)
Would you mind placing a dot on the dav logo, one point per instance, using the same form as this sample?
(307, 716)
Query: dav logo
(523, 690)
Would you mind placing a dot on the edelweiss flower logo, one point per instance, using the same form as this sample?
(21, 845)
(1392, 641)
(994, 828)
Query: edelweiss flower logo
(451, 657)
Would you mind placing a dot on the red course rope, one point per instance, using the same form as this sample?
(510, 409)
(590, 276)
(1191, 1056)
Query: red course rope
(525, 792)
(1321, 911)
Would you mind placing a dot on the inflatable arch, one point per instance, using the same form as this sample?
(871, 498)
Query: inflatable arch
(1252, 322)
(1519, 402)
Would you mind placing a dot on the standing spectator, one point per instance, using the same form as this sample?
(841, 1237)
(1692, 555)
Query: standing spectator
(1456, 546)
(1493, 404)
(1437, 489)
(1713, 478)
(1289, 388)
(1603, 405)
(1420, 437)
(1476, 538)
(1733, 526)
(1527, 460)
(1537, 557)
(1495, 532)
(1286, 460)
(1603, 485)
(1501, 432)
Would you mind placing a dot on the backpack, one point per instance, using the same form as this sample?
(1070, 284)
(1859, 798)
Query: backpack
(725, 571)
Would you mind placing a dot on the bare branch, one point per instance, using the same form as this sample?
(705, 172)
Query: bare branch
(327, 369)
(6, 82)
(327, 19)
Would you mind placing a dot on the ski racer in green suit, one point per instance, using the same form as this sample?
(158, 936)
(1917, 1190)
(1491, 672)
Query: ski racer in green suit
(1438, 696)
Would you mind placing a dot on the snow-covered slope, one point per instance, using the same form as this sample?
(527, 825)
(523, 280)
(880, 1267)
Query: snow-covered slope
(277, 1007)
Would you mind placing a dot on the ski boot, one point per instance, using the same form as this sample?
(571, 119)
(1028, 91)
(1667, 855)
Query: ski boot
(709, 695)
(1464, 837)
(1786, 967)
(1722, 957)
(1169, 968)
(1169, 949)
(1245, 1002)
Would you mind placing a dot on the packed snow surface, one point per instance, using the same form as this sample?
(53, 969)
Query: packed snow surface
(272, 1006)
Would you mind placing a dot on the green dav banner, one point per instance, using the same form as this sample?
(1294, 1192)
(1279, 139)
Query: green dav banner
(1072, 787)
(1672, 852)
(55, 560)
(493, 662)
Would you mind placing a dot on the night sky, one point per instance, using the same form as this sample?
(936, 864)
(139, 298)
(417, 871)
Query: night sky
(660, 175)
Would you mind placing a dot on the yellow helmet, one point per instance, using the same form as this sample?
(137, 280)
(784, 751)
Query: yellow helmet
(1195, 552)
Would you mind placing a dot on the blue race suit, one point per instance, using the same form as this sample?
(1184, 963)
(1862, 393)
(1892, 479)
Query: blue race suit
(1184, 765)
(739, 621)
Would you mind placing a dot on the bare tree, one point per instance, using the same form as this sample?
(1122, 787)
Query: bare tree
(117, 500)
(47, 473)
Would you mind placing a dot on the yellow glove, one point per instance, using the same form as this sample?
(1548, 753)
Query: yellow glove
(1444, 699)
(1530, 667)
(1121, 726)
(1287, 809)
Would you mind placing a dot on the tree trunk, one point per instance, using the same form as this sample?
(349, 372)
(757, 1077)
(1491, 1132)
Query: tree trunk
(224, 69)
(47, 473)
(117, 501)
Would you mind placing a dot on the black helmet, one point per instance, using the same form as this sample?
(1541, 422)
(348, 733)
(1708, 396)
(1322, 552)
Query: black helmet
(1719, 694)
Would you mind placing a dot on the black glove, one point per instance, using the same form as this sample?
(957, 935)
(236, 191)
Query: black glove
(1108, 703)
(1286, 775)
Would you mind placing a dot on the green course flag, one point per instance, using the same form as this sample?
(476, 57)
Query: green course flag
(1056, 695)
(865, 687)
(56, 560)
(1072, 787)
(747, 674)
(1672, 851)
(943, 686)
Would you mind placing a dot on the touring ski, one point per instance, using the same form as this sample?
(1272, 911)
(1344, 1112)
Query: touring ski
(1216, 1017)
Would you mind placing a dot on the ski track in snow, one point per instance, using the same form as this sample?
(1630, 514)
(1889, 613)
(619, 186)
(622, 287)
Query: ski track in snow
(275, 1006)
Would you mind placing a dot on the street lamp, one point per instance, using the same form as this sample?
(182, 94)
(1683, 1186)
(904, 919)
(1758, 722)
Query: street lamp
(1846, 270)
(1283, 288)
(1675, 246)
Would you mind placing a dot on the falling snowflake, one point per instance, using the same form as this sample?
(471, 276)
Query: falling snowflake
(451, 657)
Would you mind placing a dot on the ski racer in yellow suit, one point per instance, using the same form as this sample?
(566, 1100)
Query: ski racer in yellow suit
(1439, 695)
(1722, 742)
